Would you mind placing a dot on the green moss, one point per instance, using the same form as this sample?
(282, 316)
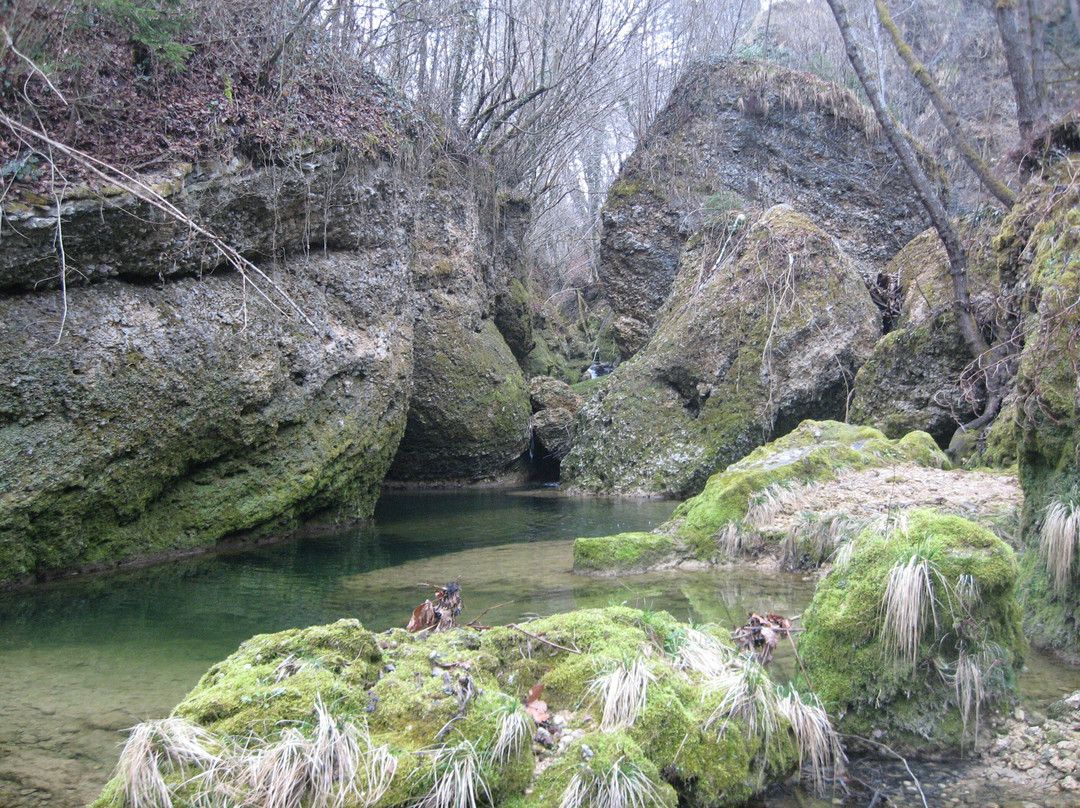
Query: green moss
(843, 652)
(624, 552)
(1040, 243)
(423, 696)
(275, 678)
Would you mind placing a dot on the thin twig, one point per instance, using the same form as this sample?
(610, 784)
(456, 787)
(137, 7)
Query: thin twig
(132, 185)
(541, 639)
(488, 609)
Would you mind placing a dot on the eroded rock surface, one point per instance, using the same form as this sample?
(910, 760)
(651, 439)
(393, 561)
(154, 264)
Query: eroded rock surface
(165, 402)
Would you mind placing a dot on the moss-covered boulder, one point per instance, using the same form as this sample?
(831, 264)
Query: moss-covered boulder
(714, 525)
(650, 712)
(738, 134)
(1040, 243)
(915, 635)
(766, 326)
(168, 417)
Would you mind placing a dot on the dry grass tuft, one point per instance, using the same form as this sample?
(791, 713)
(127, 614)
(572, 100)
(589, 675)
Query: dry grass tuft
(908, 601)
(514, 731)
(819, 747)
(156, 748)
(731, 541)
(457, 781)
(748, 694)
(623, 785)
(622, 691)
(1059, 539)
(703, 654)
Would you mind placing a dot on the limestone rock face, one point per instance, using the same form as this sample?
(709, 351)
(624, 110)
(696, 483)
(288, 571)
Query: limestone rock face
(555, 406)
(469, 412)
(765, 327)
(915, 379)
(173, 403)
(735, 135)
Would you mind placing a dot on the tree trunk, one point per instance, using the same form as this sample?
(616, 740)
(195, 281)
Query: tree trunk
(995, 363)
(1018, 58)
(948, 115)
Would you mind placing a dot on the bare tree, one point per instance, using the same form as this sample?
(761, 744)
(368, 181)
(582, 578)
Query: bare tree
(994, 362)
(949, 119)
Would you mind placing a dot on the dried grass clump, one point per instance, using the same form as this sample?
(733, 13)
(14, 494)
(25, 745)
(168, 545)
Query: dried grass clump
(155, 749)
(513, 732)
(747, 694)
(337, 764)
(623, 785)
(623, 691)
(1059, 539)
(819, 747)
(457, 779)
(703, 654)
(908, 601)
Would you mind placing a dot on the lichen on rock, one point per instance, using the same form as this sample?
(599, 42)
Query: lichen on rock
(766, 326)
(738, 134)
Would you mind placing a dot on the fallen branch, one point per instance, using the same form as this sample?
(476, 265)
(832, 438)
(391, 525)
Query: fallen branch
(899, 757)
(541, 639)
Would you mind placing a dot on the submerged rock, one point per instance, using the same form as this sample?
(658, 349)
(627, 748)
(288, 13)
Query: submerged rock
(765, 327)
(741, 135)
(623, 704)
(915, 637)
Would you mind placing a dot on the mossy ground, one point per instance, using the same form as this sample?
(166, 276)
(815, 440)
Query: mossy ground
(915, 708)
(419, 695)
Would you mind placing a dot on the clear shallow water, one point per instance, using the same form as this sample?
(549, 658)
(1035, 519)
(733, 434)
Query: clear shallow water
(81, 660)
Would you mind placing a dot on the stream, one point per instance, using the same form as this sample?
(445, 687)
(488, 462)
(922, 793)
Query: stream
(83, 659)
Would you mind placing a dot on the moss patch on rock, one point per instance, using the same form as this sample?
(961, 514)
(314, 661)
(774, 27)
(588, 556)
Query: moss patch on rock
(816, 451)
(1040, 241)
(445, 711)
(906, 683)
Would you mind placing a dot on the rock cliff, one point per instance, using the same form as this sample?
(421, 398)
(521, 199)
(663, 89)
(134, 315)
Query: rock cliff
(163, 402)
(739, 134)
(1039, 245)
(766, 326)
